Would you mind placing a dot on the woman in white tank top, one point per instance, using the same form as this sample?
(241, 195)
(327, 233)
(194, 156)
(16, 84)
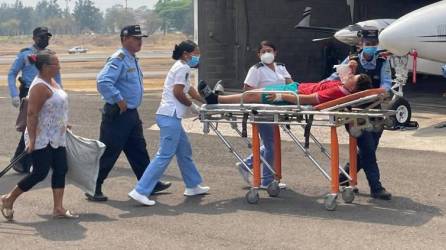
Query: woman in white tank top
(44, 136)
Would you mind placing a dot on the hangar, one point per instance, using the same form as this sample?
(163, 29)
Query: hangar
(229, 32)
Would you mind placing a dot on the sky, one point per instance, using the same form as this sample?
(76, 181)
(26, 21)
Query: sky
(101, 4)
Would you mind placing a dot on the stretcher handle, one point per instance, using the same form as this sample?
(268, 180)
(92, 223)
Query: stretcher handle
(269, 92)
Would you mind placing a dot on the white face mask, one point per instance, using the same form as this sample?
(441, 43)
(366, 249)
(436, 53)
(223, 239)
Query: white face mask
(267, 58)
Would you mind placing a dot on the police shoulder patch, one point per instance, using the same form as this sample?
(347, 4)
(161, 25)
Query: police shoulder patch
(260, 64)
(118, 54)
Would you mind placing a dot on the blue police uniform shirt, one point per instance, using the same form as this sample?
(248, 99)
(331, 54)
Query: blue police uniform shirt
(29, 71)
(443, 69)
(121, 79)
(386, 73)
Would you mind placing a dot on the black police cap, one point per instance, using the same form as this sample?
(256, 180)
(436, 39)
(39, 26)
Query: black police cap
(132, 30)
(39, 31)
(369, 33)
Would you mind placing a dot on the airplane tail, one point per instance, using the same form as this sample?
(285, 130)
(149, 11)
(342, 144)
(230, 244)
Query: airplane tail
(306, 16)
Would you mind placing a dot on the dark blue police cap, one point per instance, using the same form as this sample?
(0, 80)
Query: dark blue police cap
(369, 33)
(132, 30)
(39, 31)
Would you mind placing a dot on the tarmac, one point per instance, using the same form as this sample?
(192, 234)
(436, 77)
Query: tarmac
(411, 164)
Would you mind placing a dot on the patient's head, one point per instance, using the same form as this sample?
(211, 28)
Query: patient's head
(357, 83)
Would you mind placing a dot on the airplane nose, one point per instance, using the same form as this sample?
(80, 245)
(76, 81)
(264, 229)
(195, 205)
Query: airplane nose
(394, 39)
(347, 36)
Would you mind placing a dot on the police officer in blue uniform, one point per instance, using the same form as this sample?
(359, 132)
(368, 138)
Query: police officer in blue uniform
(120, 84)
(41, 37)
(370, 62)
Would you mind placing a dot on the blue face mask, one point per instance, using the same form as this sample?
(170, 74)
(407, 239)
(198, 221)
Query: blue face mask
(194, 61)
(370, 50)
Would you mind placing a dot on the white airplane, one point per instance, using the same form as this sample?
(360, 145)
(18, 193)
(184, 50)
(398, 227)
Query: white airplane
(433, 42)
(422, 30)
(349, 35)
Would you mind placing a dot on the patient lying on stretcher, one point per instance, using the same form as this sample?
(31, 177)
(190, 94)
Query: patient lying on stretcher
(308, 93)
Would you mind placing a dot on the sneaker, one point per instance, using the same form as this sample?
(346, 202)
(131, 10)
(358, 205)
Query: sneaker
(207, 93)
(141, 198)
(218, 88)
(246, 175)
(382, 195)
(196, 190)
(281, 186)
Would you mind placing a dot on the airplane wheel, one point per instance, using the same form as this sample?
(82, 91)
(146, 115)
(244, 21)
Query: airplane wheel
(403, 111)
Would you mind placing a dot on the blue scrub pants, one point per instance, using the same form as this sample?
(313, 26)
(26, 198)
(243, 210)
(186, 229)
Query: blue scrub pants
(173, 142)
(266, 132)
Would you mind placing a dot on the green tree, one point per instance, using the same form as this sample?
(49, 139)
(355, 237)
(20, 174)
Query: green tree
(45, 10)
(117, 17)
(176, 15)
(87, 16)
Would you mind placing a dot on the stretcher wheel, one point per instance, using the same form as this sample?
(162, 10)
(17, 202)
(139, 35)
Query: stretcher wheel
(348, 195)
(330, 202)
(252, 197)
(273, 189)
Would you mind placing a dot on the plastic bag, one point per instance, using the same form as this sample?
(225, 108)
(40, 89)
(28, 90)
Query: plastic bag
(83, 157)
(344, 71)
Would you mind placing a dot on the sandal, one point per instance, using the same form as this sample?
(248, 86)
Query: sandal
(67, 215)
(8, 213)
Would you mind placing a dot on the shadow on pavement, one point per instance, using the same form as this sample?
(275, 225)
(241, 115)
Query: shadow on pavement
(400, 211)
(63, 229)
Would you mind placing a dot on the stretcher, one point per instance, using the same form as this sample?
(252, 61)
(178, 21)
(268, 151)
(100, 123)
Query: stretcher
(359, 111)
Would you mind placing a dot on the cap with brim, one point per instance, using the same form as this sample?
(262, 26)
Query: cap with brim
(39, 31)
(132, 30)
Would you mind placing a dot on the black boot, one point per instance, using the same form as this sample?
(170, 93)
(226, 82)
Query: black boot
(98, 195)
(382, 194)
(160, 186)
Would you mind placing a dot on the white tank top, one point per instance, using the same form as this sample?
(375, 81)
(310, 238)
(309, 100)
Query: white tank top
(52, 119)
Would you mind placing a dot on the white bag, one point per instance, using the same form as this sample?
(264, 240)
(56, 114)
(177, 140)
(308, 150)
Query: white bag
(83, 157)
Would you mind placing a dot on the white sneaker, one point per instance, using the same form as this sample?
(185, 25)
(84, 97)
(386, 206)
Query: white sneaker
(246, 175)
(141, 198)
(196, 190)
(281, 186)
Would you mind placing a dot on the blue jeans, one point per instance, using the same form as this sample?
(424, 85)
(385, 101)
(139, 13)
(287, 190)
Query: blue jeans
(266, 132)
(368, 144)
(173, 142)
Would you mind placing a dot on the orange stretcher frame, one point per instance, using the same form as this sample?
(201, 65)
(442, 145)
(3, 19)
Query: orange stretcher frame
(334, 146)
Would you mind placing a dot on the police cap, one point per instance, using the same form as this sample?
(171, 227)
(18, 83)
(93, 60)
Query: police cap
(369, 33)
(39, 31)
(132, 30)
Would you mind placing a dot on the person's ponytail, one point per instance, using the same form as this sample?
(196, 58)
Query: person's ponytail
(176, 54)
(184, 46)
